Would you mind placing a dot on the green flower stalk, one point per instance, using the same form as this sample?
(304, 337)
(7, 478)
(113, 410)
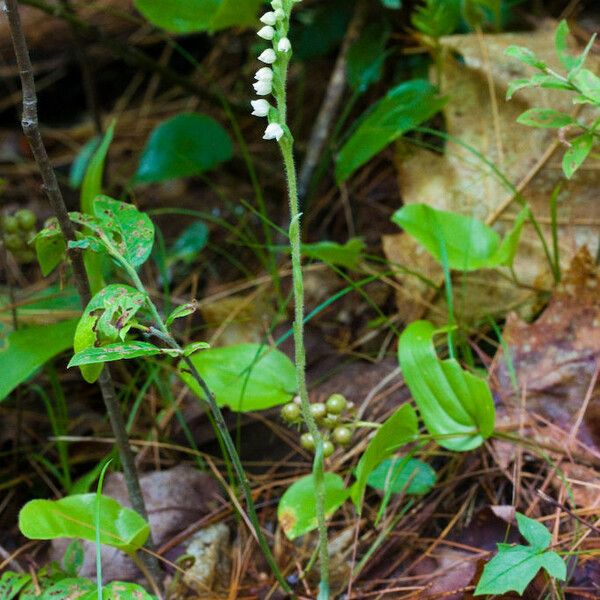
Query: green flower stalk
(271, 80)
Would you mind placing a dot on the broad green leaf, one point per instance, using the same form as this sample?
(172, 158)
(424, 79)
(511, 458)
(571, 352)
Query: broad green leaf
(185, 145)
(12, 583)
(134, 229)
(402, 109)
(189, 244)
(525, 55)
(546, 118)
(580, 148)
(297, 512)
(451, 401)
(50, 247)
(394, 474)
(244, 377)
(347, 255)
(364, 64)
(29, 348)
(108, 303)
(466, 243)
(70, 588)
(187, 16)
(120, 351)
(74, 517)
(399, 429)
(189, 308)
(514, 567)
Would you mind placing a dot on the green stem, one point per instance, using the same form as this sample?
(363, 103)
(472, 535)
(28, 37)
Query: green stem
(286, 145)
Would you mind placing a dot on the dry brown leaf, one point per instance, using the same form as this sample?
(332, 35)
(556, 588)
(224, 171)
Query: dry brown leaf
(459, 181)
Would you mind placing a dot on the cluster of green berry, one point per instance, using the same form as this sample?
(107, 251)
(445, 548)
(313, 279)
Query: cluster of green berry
(331, 417)
(18, 231)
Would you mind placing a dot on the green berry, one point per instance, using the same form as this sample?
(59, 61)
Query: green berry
(336, 404)
(11, 225)
(342, 435)
(26, 219)
(328, 448)
(14, 242)
(330, 421)
(307, 442)
(290, 413)
(318, 410)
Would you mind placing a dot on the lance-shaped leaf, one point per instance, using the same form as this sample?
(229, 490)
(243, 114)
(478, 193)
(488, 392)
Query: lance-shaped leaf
(399, 429)
(121, 351)
(74, 517)
(297, 511)
(456, 406)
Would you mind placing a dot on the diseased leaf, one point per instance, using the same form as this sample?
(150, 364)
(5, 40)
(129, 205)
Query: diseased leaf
(297, 512)
(579, 150)
(12, 583)
(121, 351)
(399, 429)
(547, 118)
(70, 588)
(403, 108)
(74, 517)
(244, 377)
(185, 145)
(189, 308)
(394, 474)
(29, 348)
(451, 401)
(50, 247)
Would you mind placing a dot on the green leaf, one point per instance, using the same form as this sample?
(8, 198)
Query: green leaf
(297, 513)
(402, 109)
(73, 558)
(466, 243)
(50, 247)
(573, 158)
(73, 517)
(189, 244)
(538, 80)
(393, 4)
(436, 18)
(189, 308)
(364, 64)
(399, 429)
(185, 145)
(29, 348)
(525, 55)
(92, 182)
(245, 377)
(195, 347)
(12, 583)
(394, 474)
(451, 401)
(81, 161)
(514, 567)
(116, 305)
(347, 255)
(561, 37)
(546, 118)
(588, 84)
(70, 588)
(134, 229)
(121, 351)
(187, 16)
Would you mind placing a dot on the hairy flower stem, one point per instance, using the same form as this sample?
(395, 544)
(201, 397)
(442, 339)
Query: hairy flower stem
(286, 145)
(163, 333)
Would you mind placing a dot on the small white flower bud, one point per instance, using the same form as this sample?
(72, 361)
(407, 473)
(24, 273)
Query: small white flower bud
(264, 74)
(262, 88)
(268, 56)
(266, 33)
(279, 14)
(269, 18)
(277, 4)
(284, 45)
(261, 108)
(274, 131)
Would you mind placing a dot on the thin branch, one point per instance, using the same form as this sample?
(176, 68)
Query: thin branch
(30, 124)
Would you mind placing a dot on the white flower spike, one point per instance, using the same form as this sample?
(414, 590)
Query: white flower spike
(284, 45)
(262, 88)
(274, 131)
(268, 56)
(264, 74)
(269, 18)
(261, 108)
(279, 14)
(277, 4)
(266, 33)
